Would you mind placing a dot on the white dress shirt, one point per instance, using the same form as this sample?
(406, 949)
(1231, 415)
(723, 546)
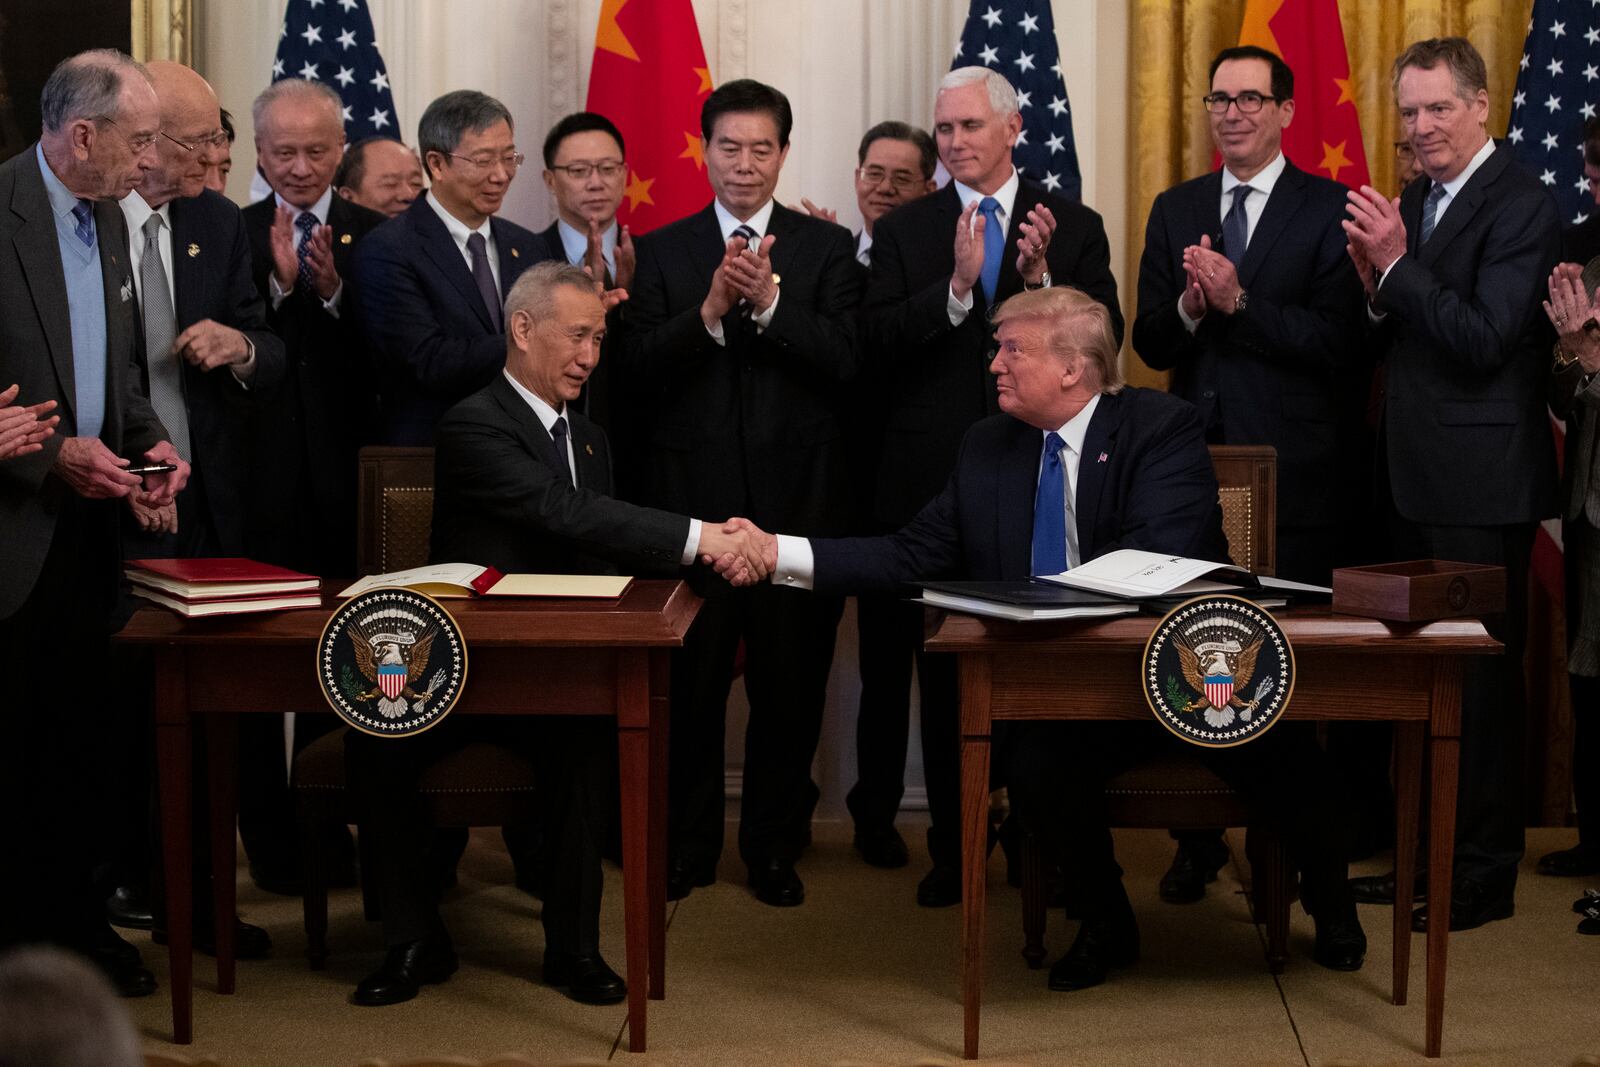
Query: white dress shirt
(757, 222)
(575, 243)
(320, 209)
(1006, 197)
(460, 231)
(797, 566)
(864, 247)
(1255, 202)
(547, 416)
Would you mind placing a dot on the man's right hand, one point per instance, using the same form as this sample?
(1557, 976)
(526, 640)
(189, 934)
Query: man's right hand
(23, 429)
(739, 550)
(969, 252)
(285, 253)
(92, 470)
(722, 295)
(162, 519)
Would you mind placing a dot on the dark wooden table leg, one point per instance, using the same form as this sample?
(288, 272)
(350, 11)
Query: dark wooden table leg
(976, 674)
(660, 711)
(633, 758)
(1444, 755)
(1408, 738)
(174, 756)
(222, 761)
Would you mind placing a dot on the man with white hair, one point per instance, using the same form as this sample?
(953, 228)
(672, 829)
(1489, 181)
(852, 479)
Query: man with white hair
(939, 265)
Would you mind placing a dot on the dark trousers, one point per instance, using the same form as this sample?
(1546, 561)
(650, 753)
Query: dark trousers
(788, 637)
(1057, 771)
(63, 703)
(571, 757)
(1586, 757)
(1491, 799)
(891, 632)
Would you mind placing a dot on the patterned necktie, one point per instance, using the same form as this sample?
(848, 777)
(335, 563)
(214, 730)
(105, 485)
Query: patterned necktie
(558, 431)
(1236, 227)
(306, 222)
(994, 248)
(749, 235)
(1050, 511)
(478, 248)
(160, 329)
(1430, 212)
(84, 213)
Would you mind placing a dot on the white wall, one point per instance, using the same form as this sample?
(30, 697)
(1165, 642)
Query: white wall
(845, 64)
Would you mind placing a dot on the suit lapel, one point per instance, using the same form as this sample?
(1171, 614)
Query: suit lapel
(706, 245)
(446, 255)
(1206, 210)
(592, 472)
(1411, 198)
(534, 436)
(514, 253)
(786, 245)
(40, 253)
(1463, 206)
(189, 272)
(1017, 482)
(1288, 195)
(1098, 442)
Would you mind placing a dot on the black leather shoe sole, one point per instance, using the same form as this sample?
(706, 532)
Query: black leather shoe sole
(382, 989)
(1069, 975)
(249, 942)
(129, 909)
(1570, 862)
(1467, 918)
(1379, 888)
(882, 848)
(777, 891)
(591, 984)
(940, 888)
(682, 882)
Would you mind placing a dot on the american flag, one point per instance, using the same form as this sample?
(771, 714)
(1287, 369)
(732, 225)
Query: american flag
(1558, 87)
(332, 41)
(1018, 39)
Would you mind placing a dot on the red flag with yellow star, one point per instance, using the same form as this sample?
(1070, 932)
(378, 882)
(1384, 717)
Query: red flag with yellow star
(1325, 136)
(650, 78)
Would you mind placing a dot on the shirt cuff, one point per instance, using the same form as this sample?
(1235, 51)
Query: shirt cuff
(1188, 324)
(331, 305)
(691, 547)
(764, 319)
(276, 292)
(1385, 272)
(796, 565)
(243, 372)
(715, 330)
(957, 308)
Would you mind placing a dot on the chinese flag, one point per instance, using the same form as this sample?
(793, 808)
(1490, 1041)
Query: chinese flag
(1325, 136)
(650, 78)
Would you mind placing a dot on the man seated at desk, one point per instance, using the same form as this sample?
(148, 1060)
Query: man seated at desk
(522, 483)
(1077, 466)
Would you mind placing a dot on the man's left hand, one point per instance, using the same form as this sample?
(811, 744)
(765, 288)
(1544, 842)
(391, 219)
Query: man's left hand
(208, 345)
(1036, 230)
(1218, 279)
(626, 259)
(319, 260)
(159, 489)
(1375, 227)
(750, 274)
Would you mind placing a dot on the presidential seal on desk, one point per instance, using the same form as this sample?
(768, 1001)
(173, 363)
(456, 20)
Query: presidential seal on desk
(392, 662)
(1218, 671)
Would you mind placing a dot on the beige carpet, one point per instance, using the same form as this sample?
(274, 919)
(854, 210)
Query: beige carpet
(859, 974)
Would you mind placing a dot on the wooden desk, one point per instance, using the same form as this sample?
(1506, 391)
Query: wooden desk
(1346, 668)
(524, 657)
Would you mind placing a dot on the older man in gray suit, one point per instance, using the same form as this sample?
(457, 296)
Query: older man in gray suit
(67, 330)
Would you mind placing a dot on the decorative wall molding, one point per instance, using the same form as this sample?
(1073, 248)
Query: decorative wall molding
(163, 29)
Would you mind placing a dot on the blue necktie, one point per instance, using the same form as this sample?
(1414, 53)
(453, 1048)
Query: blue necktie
(84, 212)
(306, 223)
(994, 247)
(1050, 511)
(1430, 212)
(1236, 227)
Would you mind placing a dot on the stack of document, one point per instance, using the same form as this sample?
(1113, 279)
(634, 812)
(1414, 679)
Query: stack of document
(471, 579)
(225, 586)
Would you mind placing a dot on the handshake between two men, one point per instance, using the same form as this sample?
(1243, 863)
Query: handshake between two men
(739, 550)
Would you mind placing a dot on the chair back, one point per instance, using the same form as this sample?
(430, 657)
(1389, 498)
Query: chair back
(395, 494)
(1247, 482)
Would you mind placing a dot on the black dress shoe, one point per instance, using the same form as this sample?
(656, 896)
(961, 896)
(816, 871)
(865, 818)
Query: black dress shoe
(1379, 888)
(881, 846)
(406, 968)
(586, 979)
(940, 887)
(685, 876)
(1193, 866)
(776, 883)
(1101, 944)
(1590, 899)
(250, 942)
(1571, 862)
(129, 908)
(1341, 943)
(117, 960)
(1472, 903)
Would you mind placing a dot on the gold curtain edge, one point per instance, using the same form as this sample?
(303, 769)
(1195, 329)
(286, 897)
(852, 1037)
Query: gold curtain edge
(163, 29)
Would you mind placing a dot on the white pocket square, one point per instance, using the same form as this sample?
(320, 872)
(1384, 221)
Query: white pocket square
(127, 290)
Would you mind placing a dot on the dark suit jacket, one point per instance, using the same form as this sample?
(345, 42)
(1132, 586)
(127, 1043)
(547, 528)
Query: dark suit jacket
(214, 283)
(755, 429)
(502, 496)
(1467, 351)
(1274, 373)
(1144, 481)
(326, 409)
(424, 320)
(934, 377)
(36, 352)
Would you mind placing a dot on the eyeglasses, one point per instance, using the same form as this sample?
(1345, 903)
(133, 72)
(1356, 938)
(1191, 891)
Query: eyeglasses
(215, 139)
(511, 161)
(137, 145)
(902, 180)
(1403, 151)
(579, 172)
(1248, 102)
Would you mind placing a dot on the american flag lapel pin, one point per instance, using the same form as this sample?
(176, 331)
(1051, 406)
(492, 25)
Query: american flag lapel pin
(589, 449)
(1103, 457)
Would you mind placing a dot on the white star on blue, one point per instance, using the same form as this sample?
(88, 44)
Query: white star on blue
(317, 36)
(1558, 87)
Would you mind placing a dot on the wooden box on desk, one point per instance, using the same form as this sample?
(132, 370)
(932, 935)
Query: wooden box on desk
(1420, 590)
